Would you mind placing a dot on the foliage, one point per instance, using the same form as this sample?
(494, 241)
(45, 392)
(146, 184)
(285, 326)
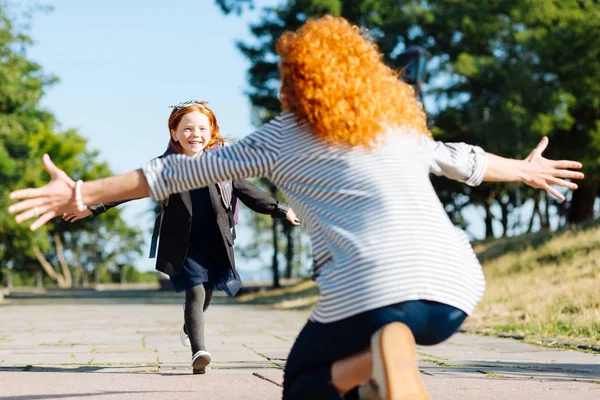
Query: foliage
(27, 131)
(501, 77)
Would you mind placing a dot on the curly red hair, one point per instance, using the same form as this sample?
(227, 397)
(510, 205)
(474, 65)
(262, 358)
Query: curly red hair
(334, 78)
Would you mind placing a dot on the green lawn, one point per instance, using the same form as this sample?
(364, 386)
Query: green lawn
(539, 286)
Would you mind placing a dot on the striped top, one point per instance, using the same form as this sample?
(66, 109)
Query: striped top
(379, 233)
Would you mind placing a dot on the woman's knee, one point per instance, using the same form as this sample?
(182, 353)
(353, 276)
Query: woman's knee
(443, 327)
(311, 385)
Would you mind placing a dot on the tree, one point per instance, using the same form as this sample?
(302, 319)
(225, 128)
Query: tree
(234, 6)
(26, 132)
(565, 37)
(503, 76)
(22, 84)
(523, 69)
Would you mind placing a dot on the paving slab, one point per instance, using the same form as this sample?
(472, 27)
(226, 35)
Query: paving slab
(129, 348)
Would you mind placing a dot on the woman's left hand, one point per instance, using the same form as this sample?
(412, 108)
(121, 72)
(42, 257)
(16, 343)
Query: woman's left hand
(542, 172)
(47, 202)
(291, 216)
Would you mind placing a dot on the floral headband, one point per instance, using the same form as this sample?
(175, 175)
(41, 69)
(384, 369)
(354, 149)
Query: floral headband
(189, 103)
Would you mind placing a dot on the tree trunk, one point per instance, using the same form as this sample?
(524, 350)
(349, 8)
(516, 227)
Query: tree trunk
(84, 279)
(535, 211)
(289, 253)
(545, 222)
(47, 267)
(78, 268)
(582, 203)
(60, 253)
(104, 266)
(123, 274)
(39, 279)
(489, 230)
(562, 213)
(275, 264)
(504, 208)
(299, 249)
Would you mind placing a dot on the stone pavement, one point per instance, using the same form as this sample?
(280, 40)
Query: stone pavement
(128, 348)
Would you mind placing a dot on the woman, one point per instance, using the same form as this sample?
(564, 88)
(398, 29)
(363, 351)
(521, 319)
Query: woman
(351, 152)
(197, 227)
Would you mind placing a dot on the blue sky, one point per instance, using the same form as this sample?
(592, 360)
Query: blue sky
(121, 63)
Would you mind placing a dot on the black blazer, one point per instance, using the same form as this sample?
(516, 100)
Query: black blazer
(176, 224)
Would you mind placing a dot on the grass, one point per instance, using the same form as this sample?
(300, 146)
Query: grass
(301, 296)
(542, 287)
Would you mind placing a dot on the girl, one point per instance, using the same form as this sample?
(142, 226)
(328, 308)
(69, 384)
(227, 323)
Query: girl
(352, 154)
(197, 227)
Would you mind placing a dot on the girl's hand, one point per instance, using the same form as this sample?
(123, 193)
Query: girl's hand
(76, 215)
(291, 216)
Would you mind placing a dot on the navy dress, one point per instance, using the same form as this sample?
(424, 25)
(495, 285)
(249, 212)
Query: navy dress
(200, 267)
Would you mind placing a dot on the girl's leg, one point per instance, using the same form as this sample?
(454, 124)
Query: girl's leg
(194, 317)
(208, 293)
(208, 289)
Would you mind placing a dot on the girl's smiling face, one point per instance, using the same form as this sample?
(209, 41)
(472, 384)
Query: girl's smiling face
(193, 133)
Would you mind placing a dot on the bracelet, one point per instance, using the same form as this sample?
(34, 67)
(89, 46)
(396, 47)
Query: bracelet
(78, 200)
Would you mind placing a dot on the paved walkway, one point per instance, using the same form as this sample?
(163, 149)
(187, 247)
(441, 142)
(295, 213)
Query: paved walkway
(129, 348)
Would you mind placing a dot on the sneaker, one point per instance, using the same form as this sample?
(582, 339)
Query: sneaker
(185, 339)
(395, 369)
(199, 361)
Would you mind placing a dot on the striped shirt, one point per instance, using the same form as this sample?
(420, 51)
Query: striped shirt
(379, 233)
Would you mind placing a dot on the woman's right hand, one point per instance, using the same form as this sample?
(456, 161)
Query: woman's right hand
(74, 215)
(47, 202)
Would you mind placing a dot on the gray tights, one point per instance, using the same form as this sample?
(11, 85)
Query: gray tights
(197, 301)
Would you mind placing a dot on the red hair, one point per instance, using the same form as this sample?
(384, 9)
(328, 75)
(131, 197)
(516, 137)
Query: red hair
(334, 78)
(178, 113)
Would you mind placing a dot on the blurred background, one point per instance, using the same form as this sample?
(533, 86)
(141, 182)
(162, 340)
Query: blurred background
(90, 83)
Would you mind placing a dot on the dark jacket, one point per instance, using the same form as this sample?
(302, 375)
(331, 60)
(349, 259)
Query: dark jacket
(175, 222)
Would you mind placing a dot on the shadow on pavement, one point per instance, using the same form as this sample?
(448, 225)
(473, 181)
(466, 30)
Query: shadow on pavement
(80, 395)
(499, 369)
(92, 296)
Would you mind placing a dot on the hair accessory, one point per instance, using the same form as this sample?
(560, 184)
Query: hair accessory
(189, 103)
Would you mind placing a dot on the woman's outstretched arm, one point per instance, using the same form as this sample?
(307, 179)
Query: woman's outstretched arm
(472, 165)
(251, 157)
